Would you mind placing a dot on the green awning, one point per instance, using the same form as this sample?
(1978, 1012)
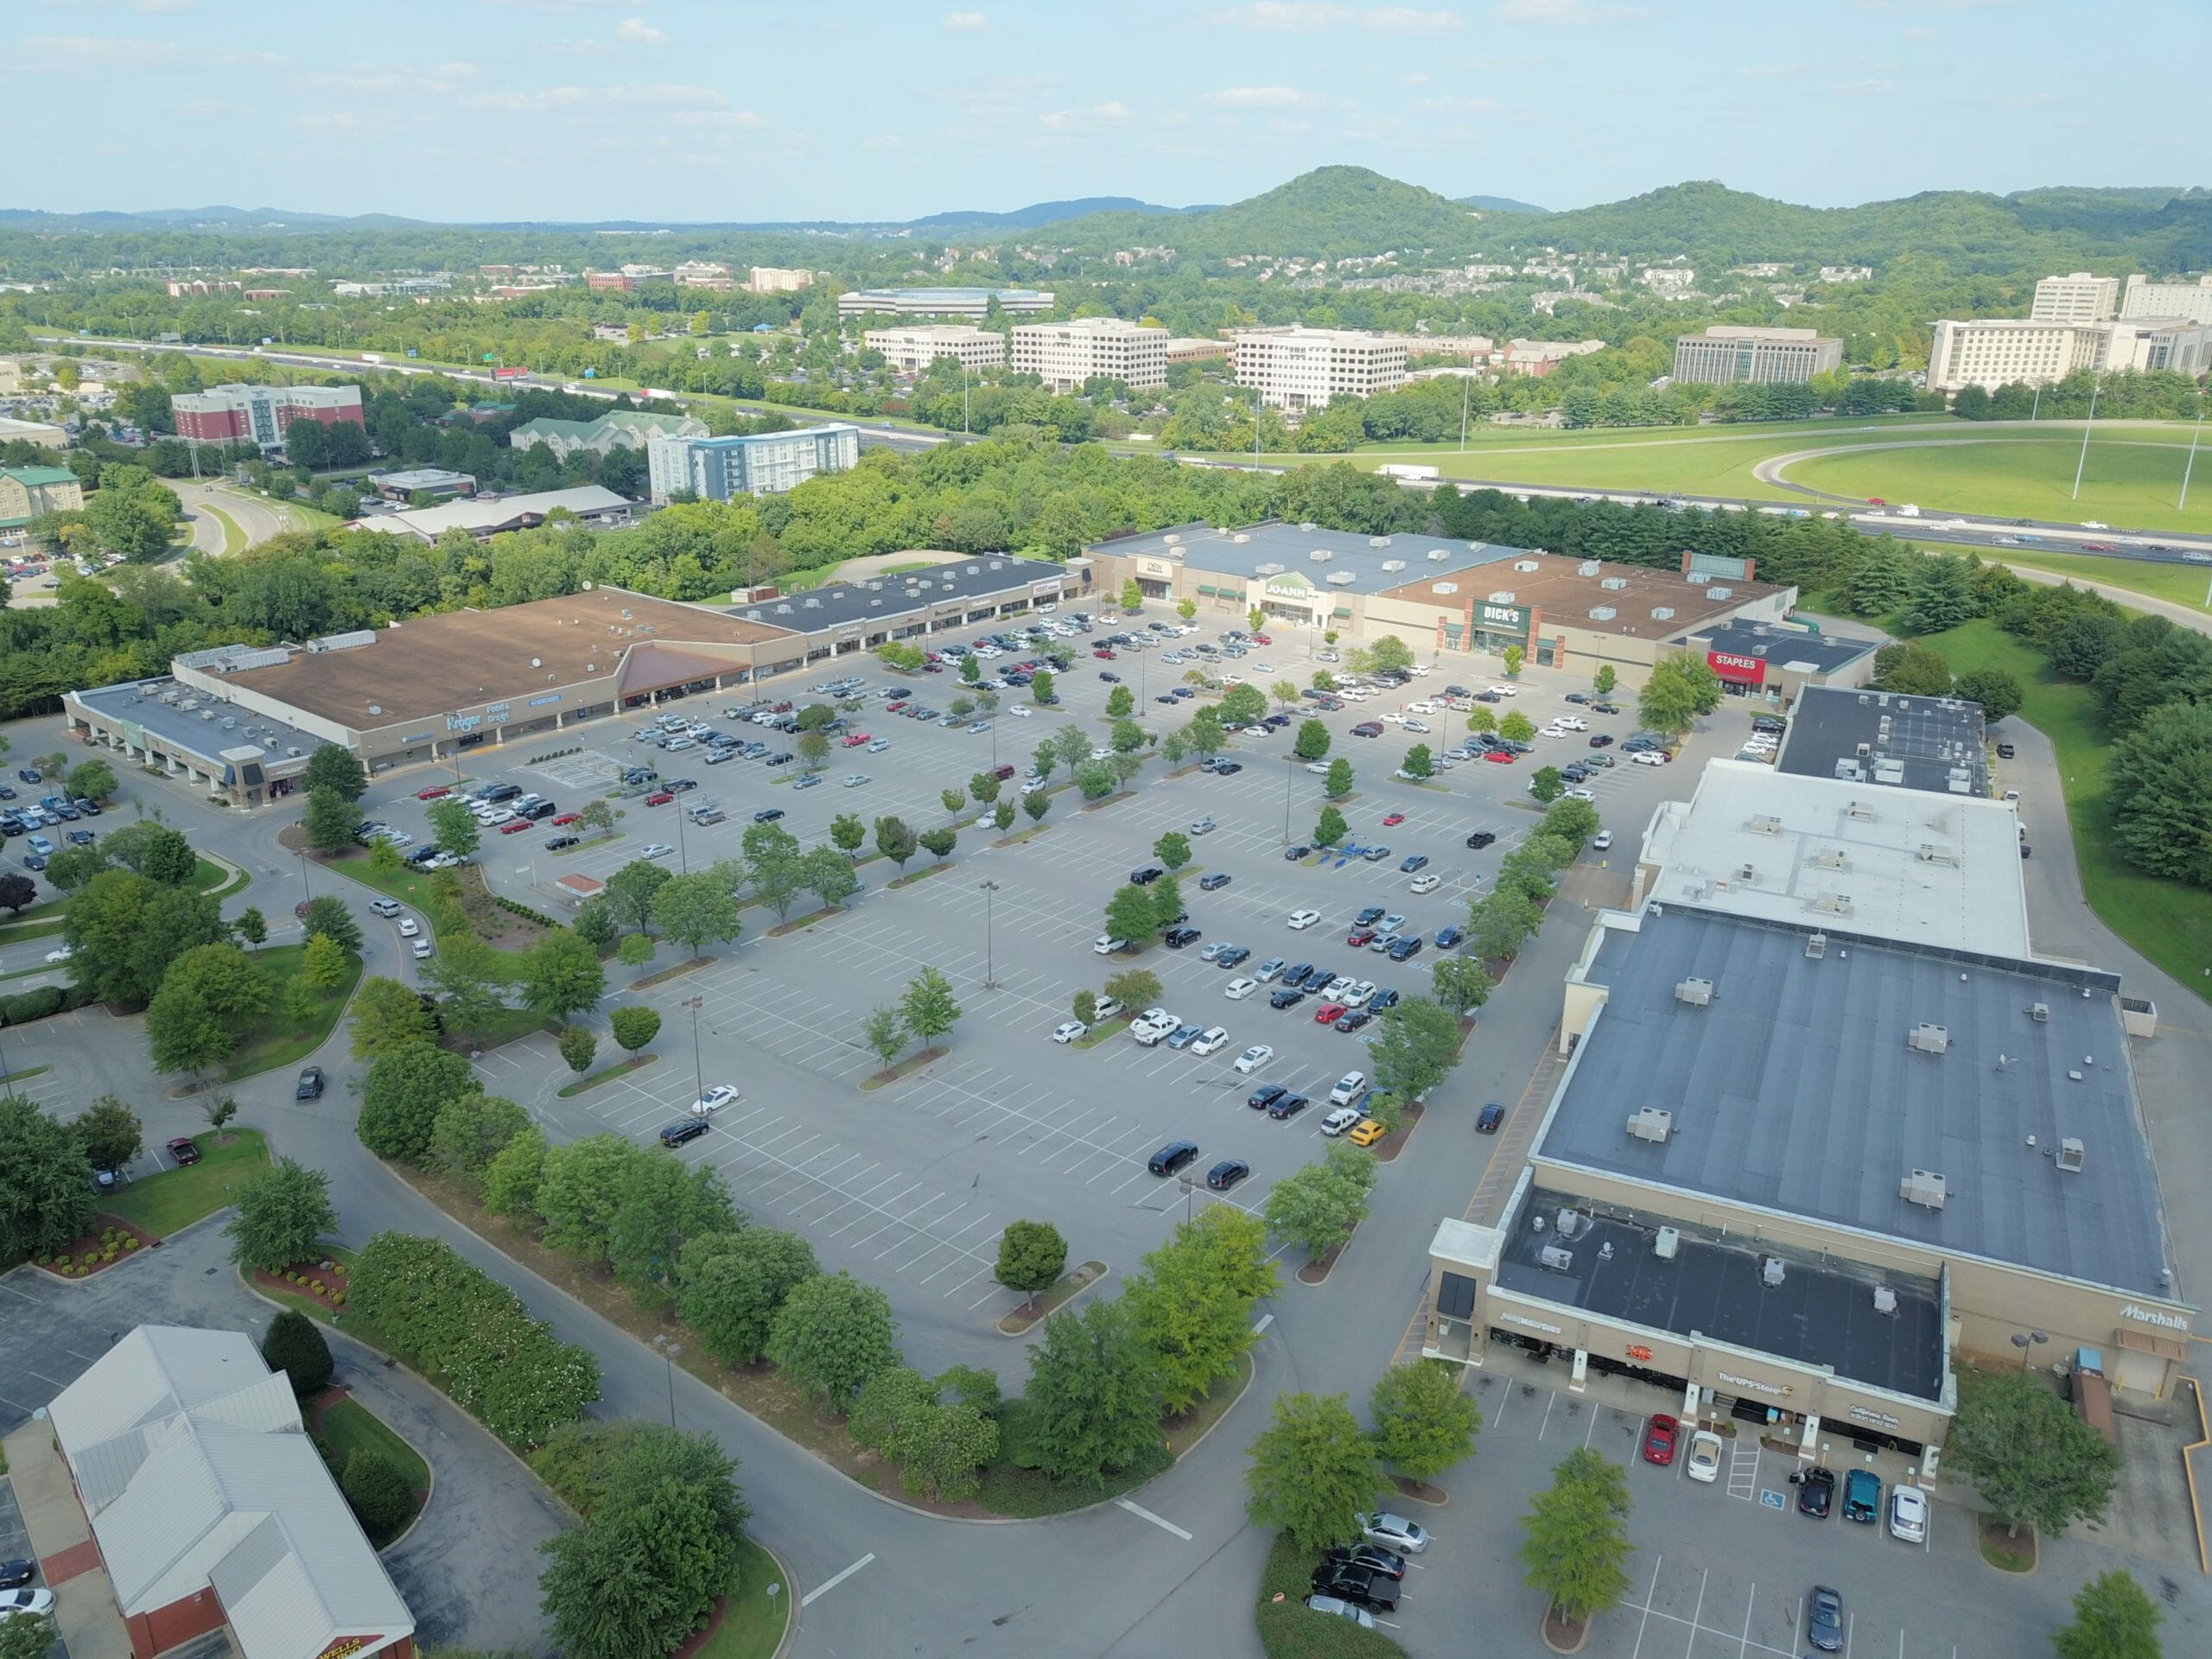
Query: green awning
(1342, 611)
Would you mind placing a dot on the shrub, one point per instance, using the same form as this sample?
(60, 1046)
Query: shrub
(296, 1348)
(377, 1492)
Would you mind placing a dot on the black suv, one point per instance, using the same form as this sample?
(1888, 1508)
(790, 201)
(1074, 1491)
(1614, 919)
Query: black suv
(1265, 1096)
(1362, 1587)
(1147, 876)
(1176, 938)
(1287, 998)
(1170, 1158)
(1816, 1493)
(1371, 1557)
(676, 1134)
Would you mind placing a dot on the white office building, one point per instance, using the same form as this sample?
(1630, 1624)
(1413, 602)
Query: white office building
(1066, 354)
(975, 302)
(910, 351)
(2078, 298)
(1727, 355)
(761, 463)
(1993, 352)
(2190, 301)
(1306, 368)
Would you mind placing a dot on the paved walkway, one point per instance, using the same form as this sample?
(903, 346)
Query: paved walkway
(84, 1603)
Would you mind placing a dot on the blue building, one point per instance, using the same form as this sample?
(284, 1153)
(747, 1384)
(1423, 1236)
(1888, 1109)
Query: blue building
(764, 463)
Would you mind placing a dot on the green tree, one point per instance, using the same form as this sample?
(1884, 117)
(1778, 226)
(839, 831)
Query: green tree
(1516, 726)
(1912, 668)
(1134, 987)
(1498, 923)
(329, 915)
(1997, 690)
(1546, 785)
(1606, 680)
(512, 1178)
(1324, 681)
(47, 1199)
(1313, 1472)
(1880, 578)
(1032, 1255)
(454, 828)
(323, 966)
(405, 1089)
(1330, 829)
(2113, 1620)
(1943, 592)
(251, 926)
(778, 867)
(387, 1016)
(831, 1335)
(1192, 1304)
(1574, 1540)
(27, 1636)
(595, 922)
(1165, 896)
(634, 1028)
(938, 843)
(578, 1046)
(1459, 983)
(329, 821)
(207, 999)
(598, 815)
(732, 1285)
(296, 1346)
(561, 975)
(110, 1132)
(471, 981)
(1046, 757)
(1186, 608)
(813, 749)
(1516, 657)
(578, 1194)
(828, 874)
(283, 1211)
(1002, 815)
(1419, 763)
(333, 766)
(1172, 849)
(1423, 1423)
(1244, 705)
(1128, 737)
(1316, 1205)
(1573, 822)
(1040, 687)
(377, 1491)
(1285, 693)
(1036, 804)
(1337, 784)
(1480, 719)
(2033, 1460)
(1172, 749)
(692, 910)
(1132, 595)
(895, 840)
(2161, 790)
(155, 851)
(928, 1008)
(1121, 702)
(1091, 1407)
(660, 1203)
(1678, 690)
(471, 1129)
(635, 950)
(983, 788)
(848, 834)
(884, 1031)
(1071, 746)
(1312, 739)
(94, 780)
(971, 670)
(631, 889)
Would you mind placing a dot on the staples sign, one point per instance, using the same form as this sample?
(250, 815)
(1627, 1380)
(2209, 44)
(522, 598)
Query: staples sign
(1744, 671)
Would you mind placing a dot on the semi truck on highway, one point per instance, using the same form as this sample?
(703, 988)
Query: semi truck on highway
(1401, 469)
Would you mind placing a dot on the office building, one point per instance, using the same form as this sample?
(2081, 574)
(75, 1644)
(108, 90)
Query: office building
(1726, 355)
(775, 279)
(259, 415)
(1301, 368)
(1066, 354)
(1182, 348)
(2078, 298)
(436, 482)
(1537, 357)
(628, 280)
(490, 515)
(910, 351)
(762, 463)
(2182, 301)
(45, 434)
(1993, 352)
(27, 492)
(1776, 661)
(974, 303)
(619, 429)
(1939, 745)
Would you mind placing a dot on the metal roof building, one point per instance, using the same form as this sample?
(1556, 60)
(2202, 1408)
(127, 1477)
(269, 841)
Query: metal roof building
(211, 1506)
(488, 516)
(1936, 744)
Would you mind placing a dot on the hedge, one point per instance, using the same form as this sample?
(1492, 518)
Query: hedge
(472, 1336)
(26, 1006)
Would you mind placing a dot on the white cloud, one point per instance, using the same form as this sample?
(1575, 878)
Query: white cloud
(151, 6)
(636, 31)
(1919, 32)
(1262, 97)
(562, 5)
(328, 121)
(1112, 110)
(1456, 106)
(1408, 19)
(1310, 16)
(1563, 14)
(1771, 71)
(1419, 78)
(75, 52)
(627, 96)
(724, 120)
(962, 22)
(388, 81)
(884, 141)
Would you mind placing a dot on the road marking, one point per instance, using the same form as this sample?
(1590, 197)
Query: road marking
(1137, 1510)
(1265, 1320)
(826, 1587)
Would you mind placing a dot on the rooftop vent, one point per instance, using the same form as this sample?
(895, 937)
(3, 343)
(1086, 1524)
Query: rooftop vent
(1603, 613)
(1321, 555)
(1652, 1123)
(1378, 541)
(1764, 824)
(1614, 583)
(1931, 854)
(1830, 858)
(1171, 540)
(1589, 567)
(1240, 539)
(1502, 596)
(1771, 1271)
(1928, 1039)
(1925, 1188)
(1886, 1300)
(1527, 566)
(1862, 809)
(1341, 578)
(1816, 946)
(1720, 593)
(1666, 1242)
(1662, 612)
(1558, 1260)
(2070, 1154)
(1437, 556)
(2040, 1013)
(1833, 904)
(1747, 873)
(1394, 565)
(1307, 525)
(1444, 587)
(1698, 993)
(1270, 568)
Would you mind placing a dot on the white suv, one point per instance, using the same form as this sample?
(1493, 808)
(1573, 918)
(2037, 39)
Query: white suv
(1347, 1086)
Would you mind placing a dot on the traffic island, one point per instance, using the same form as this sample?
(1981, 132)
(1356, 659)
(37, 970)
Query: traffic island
(1420, 1491)
(664, 974)
(1388, 1148)
(1071, 1285)
(1563, 1635)
(607, 1074)
(1317, 1271)
(906, 1068)
(2004, 1552)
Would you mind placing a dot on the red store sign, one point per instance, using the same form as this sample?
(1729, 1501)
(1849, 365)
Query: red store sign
(1744, 671)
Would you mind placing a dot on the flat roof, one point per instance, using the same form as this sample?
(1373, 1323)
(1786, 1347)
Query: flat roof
(1819, 1314)
(504, 512)
(877, 599)
(1573, 593)
(1272, 548)
(1793, 1090)
(1912, 742)
(964, 295)
(1941, 870)
(1781, 645)
(140, 702)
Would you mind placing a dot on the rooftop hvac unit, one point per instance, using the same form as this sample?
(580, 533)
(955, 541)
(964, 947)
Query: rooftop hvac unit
(230, 722)
(2069, 1155)
(295, 754)
(1662, 612)
(1653, 1123)
(1378, 541)
(1816, 946)
(1614, 583)
(1829, 858)
(1270, 568)
(1959, 781)
(1850, 771)
(206, 713)
(1833, 904)
(1558, 1260)
(1171, 540)
(1886, 1300)
(1240, 539)
(1764, 824)
(1341, 578)
(1864, 810)
(1771, 1271)
(1747, 872)
(1667, 1242)
(1928, 1039)
(1572, 1223)
(1306, 524)
(1589, 567)
(1502, 596)
(1698, 993)
(2040, 1013)
(1889, 772)
(1319, 555)
(783, 610)
(1437, 556)
(1444, 587)
(1720, 593)
(1603, 613)
(1394, 565)
(1931, 854)
(1925, 1188)
(1527, 566)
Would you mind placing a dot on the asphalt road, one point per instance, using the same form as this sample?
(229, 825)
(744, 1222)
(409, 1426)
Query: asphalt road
(258, 518)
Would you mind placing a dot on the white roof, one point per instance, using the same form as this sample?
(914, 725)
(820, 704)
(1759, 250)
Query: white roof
(1920, 868)
(193, 1463)
(430, 523)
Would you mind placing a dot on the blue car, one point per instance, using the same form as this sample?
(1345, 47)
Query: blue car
(40, 845)
(1448, 937)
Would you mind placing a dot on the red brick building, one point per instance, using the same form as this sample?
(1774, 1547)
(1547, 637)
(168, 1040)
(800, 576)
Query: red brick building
(259, 415)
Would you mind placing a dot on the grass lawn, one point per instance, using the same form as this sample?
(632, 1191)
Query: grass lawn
(233, 537)
(1290, 1630)
(2133, 476)
(344, 1426)
(175, 1198)
(2178, 584)
(45, 927)
(753, 1620)
(621, 1068)
(212, 879)
(505, 1026)
(273, 1040)
(2167, 921)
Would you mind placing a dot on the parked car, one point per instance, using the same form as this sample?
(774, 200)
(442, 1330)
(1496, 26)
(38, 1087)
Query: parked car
(1862, 1497)
(1487, 1122)
(1171, 1157)
(1661, 1432)
(1226, 1173)
(1254, 1057)
(1824, 1619)
(1909, 1515)
(1213, 881)
(1393, 1532)
(310, 1085)
(184, 1151)
(677, 1135)
(1816, 1492)
(1366, 1134)
(1705, 1456)
(1336, 1608)
(1360, 1586)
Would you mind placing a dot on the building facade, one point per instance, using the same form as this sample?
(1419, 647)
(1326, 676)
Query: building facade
(1726, 355)
(1993, 352)
(260, 415)
(2078, 298)
(1304, 368)
(2188, 302)
(628, 280)
(777, 279)
(762, 463)
(1066, 354)
(975, 303)
(910, 351)
(619, 429)
(27, 492)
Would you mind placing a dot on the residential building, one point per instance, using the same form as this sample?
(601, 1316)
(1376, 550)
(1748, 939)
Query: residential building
(910, 351)
(1727, 355)
(259, 415)
(760, 463)
(619, 429)
(1992, 352)
(200, 287)
(1301, 368)
(776, 279)
(975, 303)
(1066, 354)
(1846, 273)
(700, 273)
(1537, 357)
(2078, 298)
(1465, 348)
(27, 492)
(2189, 301)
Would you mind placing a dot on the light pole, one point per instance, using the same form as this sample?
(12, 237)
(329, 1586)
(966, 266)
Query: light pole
(1289, 776)
(990, 960)
(2036, 408)
(669, 1351)
(698, 1072)
(2096, 386)
(2190, 466)
(2025, 1341)
(306, 891)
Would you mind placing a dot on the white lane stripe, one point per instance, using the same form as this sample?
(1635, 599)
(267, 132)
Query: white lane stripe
(1265, 1320)
(1138, 1510)
(824, 1588)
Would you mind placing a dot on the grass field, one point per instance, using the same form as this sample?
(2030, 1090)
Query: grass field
(753, 1620)
(273, 1040)
(2178, 584)
(2132, 477)
(175, 1198)
(233, 537)
(345, 1426)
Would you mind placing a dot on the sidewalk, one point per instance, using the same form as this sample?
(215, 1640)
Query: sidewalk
(83, 1603)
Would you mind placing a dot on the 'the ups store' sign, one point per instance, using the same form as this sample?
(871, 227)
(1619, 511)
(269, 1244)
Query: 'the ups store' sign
(1744, 671)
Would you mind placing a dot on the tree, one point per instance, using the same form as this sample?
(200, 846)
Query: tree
(471, 981)
(323, 966)
(1574, 1542)
(92, 780)
(1132, 595)
(1121, 702)
(1880, 579)
(631, 889)
(47, 1199)
(1128, 737)
(207, 999)
(17, 891)
(1498, 923)
(1423, 1423)
(829, 876)
(283, 1211)
(1285, 693)
(455, 828)
(1324, 681)
(296, 1347)
(1316, 1205)
(1546, 785)
(1997, 690)
(1244, 705)
(405, 1089)
(938, 843)
(1943, 594)
(333, 766)
(884, 1031)
(1515, 657)
(1166, 895)
(2034, 1461)
(1313, 1472)
(377, 1491)
(329, 821)
(1459, 983)
(388, 1015)
(1186, 608)
(110, 1133)
(1516, 726)
(2113, 1620)
(813, 750)
(660, 1202)
(831, 1335)
(1134, 987)
(1002, 815)
(895, 840)
(1032, 1255)
(597, 815)
(1192, 1304)
(1337, 784)
(848, 833)
(328, 915)
(578, 1045)
(778, 864)
(1912, 668)
(971, 670)
(732, 1285)
(561, 975)
(2161, 790)
(983, 788)
(1045, 758)
(692, 910)
(1419, 763)
(595, 923)
(1573, 822)
(635, 950)
(1679, 690)
(1479, 719)
(1036, 804)
(634, 1028)
(1040, 687)
(928, 1008)
(1172, 849)
(1091, 1407)
(219, 1112)
(1605, 680)
(1172, 749)
(1071, 746)
(1330, 829)
(251, 925)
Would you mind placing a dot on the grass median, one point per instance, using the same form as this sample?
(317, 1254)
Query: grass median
(173, 1200)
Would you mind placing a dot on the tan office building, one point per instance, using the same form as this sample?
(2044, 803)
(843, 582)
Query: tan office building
(2189, 302)
(910, 351)
(2078, 298)
(1066, 354)
(1298, 369)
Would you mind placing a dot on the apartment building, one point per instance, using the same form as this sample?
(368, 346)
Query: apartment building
(777, 279)
(910, 351)
(1993, 352)
(2078, 298)
(2190, 301)
(1728, 355)
(260, 415)
(1066, 354)
(762, 463)
(1302, 368)
(27, 492)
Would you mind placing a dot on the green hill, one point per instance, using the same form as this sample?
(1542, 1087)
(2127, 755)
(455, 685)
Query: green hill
(1330, 212)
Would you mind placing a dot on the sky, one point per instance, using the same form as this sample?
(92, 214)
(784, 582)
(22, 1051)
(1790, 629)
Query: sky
(735, 110)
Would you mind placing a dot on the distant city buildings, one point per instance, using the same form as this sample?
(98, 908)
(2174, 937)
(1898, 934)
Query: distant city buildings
(910, 351)
(1300, 368)
(630, 279)
(1728, 355)
(200, 287)
(260, 415)
(27, 492)
(619, 429)
(1535, 358)
(1846, 273)
(974, 303)
(1066, 354)
(2078, 298)
(764, 463)
(2145, 298)
(392, 288)
(775, 279)
(2071, 327)
(1182, 348)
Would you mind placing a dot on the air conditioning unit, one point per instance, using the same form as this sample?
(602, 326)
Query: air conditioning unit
(1833, 904)
(1321, 555)
(1662, 614)
(1928, 1039)
(1886, 1300)
(1378, 541)
(1764, 824)
(1557, 1260)
(2040, 1012)
(1771, 1271)
(1925, 1188)
(1652, 1123)
(1667, 1242)
(1527, 567)
(1720, 593)
(1444, 588)
(1816, 946)
(2070, 1154)
(1589, 567)
(1437, 556)
(1502, 596)
(1698, 993)
(1394, 565)
(1614, 583)
(1829, 858)
(1603, 613)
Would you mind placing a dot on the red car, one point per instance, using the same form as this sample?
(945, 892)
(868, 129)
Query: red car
(434, 792)
(1504, 757)
(659, 798)
(893, 707)
(1876, 501)
(567, 818)
(1659, 1436)
(1261, 639)
(1393, 820)
(1103, 654)
(183, 1151)
(933, 668)
(854, 740)
(783, 707)
(516, 828)
(1368, 728)
(2099, 547)
(1360, 935)
(1328, 1014)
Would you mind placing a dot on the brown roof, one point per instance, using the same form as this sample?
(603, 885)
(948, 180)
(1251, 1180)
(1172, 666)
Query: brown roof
(1566, 597)
(429, 665)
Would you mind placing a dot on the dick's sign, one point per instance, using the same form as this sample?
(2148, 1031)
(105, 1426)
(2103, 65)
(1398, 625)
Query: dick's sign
(1743, 671)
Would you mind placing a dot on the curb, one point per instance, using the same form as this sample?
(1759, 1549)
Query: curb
(998, 1328)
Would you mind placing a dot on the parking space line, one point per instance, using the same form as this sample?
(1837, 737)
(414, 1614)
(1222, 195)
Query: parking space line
(1143, 1514)
(832, 1582)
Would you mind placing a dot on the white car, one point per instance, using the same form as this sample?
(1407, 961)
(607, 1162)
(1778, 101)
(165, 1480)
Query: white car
(1106, 945)
(1340, 1120)
(655, 849)
(1348, 1086)
(1420, 706)
(1502, 689)
(1358, 994)
(988, 821)
(879, 746)
(62, 955)
(1203, 826)
(714, 1100)
(422, 949)
(1575, 794)
(1336, 1608)
(1021, 710)
(1427, 882)
(1650, 758)
(1107, 1008)
(1909, 1515)
(1395, 718)
(1069, 1031)
(1393, 1532)
(1705, 1456)
(1303, 918)
(855, 779)
(1335, 989)
(35, 1603)
(1254, 1057)
(1101, 754)
(409, 927)
(1214, 1037)
(1238, 989)
(1601, 839)
(1318, 768)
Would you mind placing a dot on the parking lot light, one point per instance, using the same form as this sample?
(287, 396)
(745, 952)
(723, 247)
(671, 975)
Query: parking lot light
(698, 1072)
(669, 1351)
(2025, 1341)
(990, 968)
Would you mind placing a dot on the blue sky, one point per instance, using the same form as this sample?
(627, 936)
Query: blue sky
(734, 110)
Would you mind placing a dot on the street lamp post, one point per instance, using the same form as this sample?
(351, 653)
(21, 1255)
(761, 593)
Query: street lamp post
(307, 892)
(669, 1351)
(698, 1072)
(2096, 386)
(2026, 1341)
(990, 959)
(2190, 466)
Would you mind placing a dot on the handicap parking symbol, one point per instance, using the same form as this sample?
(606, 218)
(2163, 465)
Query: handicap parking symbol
(1772, 1500)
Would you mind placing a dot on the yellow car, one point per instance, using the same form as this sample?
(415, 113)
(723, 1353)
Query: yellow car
(1367, 1134)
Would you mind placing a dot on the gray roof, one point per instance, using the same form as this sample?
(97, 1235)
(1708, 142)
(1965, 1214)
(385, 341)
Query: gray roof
(881, 598)
(1779, 647)
(1795, 1091)
(178, 724)
(1925, 742)
(495, 512)
(1249, 552)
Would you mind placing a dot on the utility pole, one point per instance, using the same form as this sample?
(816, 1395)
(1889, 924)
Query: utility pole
(990, 961)
(1258, 403)
(2190, 465)
(2096, 386)
(698, 1072)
